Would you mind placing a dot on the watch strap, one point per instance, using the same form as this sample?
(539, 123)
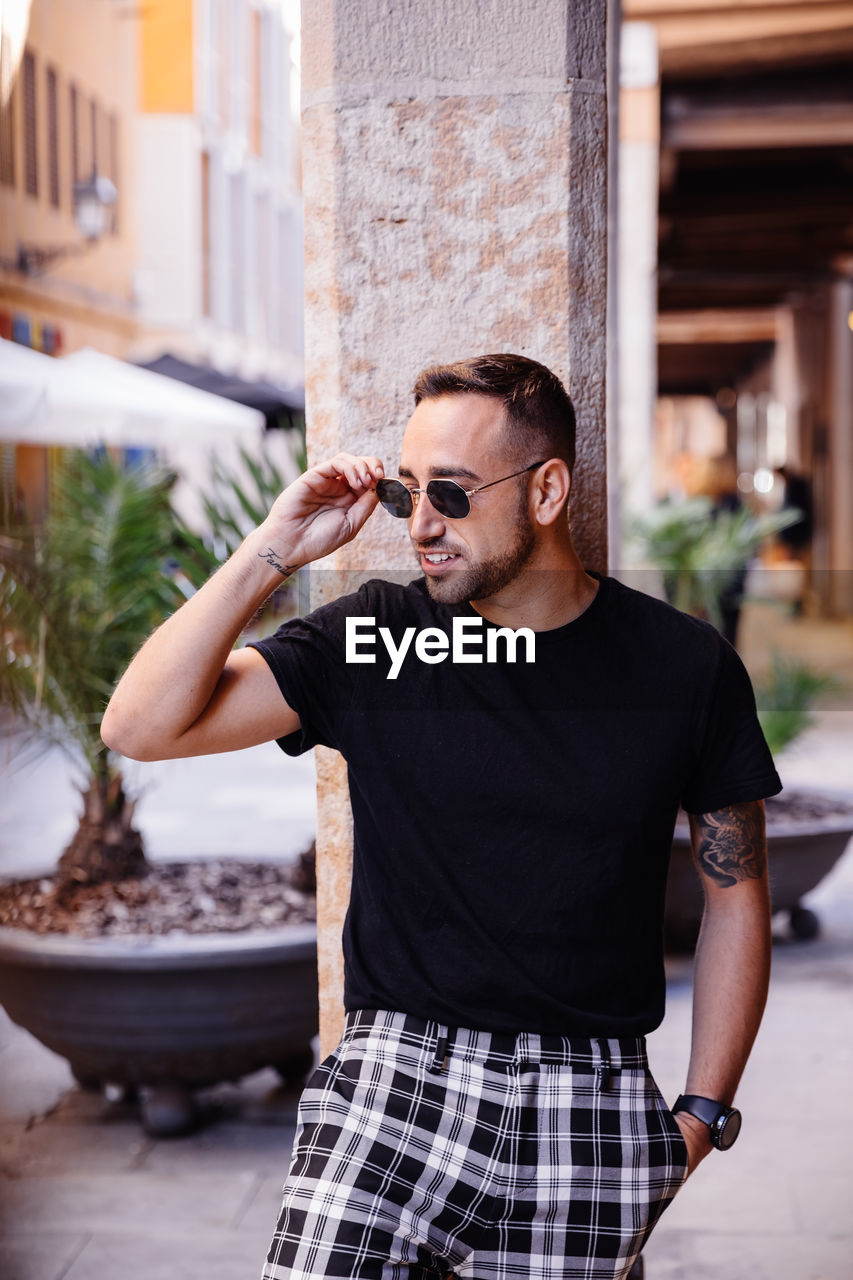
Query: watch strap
(704, 1109)
(723, 1122)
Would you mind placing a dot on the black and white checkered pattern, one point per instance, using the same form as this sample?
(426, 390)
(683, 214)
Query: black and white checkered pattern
(422, 1151)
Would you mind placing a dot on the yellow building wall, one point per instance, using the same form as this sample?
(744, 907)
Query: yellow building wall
(87, 296)
(166, 56)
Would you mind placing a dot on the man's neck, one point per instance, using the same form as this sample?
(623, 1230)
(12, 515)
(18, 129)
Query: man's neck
(545, 595)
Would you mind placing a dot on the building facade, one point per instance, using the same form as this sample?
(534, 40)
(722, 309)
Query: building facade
(188, 109)
(219, 265)
(67, 111)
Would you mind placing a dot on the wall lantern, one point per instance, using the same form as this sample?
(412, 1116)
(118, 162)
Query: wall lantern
(92, 202)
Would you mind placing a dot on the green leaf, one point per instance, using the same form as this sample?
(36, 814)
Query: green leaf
(701, 551)
(81, 592)
(785, 696)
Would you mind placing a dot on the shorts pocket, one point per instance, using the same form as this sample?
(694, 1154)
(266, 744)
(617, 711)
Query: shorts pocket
(681, 1154)
(678, 1155)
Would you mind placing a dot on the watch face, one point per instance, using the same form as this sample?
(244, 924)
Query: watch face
(728, 1128)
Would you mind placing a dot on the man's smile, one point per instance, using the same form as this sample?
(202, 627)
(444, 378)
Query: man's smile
(438, 560)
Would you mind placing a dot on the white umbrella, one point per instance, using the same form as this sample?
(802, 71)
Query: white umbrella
(90, 398)
(23, 392)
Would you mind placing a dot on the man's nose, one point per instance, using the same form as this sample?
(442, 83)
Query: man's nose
(425, 522)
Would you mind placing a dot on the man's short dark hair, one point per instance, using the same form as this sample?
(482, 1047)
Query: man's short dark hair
(539, 414)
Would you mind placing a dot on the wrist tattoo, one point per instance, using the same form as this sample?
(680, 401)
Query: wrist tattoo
(731, 843)
(272, 557)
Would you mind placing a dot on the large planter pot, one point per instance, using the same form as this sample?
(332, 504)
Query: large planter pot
(801, 850)
(172, 1013)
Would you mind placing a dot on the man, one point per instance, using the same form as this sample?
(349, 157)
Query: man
(519, 735)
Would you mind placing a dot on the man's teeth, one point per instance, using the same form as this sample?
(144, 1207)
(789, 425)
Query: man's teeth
(437, 556)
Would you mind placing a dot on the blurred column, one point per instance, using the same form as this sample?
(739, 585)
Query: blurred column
(840, 442)
(787, 384)
(639, 148)
(455, 176)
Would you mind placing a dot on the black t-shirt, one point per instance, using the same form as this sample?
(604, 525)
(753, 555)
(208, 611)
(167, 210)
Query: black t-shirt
(513, 820)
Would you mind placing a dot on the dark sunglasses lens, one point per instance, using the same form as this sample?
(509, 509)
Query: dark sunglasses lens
(395, 498)
(449, 499)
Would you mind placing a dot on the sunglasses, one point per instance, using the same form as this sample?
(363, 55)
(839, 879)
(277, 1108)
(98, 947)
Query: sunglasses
(448, 498)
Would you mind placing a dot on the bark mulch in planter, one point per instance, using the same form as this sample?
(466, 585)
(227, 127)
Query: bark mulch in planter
(219, 895)
(231, 895)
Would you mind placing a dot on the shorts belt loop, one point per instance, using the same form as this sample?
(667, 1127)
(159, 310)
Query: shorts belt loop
(602, 1070)
(439, 1060)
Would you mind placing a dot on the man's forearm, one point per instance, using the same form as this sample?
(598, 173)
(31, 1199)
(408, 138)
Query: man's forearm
(732, 968)
(731, 978)
(179, 680)
(173, 676)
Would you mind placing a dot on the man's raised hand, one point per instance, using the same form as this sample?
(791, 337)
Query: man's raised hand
(325, 508)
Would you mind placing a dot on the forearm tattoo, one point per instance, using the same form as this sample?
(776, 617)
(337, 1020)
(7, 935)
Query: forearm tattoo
(731, 845)
(272, 557)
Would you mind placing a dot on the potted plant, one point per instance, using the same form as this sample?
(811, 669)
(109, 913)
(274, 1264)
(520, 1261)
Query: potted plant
(80, 592)
(701, 554)
(702, 549)
(807, 832)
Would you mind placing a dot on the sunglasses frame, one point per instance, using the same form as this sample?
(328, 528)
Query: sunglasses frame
(414, 494)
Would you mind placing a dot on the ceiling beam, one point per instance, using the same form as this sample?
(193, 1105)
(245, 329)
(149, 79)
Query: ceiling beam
(697, 36)
(807, 110)
(817, 124)
(757, 324)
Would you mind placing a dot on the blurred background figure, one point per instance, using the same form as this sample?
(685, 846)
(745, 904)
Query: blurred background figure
(716, 478)
(795, 541)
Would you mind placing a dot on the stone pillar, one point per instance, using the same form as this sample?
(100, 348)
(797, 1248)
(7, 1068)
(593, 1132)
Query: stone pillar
(639, 147)
(455, 177)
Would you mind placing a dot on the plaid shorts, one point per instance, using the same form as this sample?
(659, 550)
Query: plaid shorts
(423, 1150)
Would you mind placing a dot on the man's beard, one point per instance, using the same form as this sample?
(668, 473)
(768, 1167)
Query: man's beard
(486, 579)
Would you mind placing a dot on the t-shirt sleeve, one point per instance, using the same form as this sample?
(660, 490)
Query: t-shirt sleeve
(307, 658)
(734, 763)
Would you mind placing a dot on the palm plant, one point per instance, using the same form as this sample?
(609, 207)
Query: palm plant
(701, 550)
(785, 697)
(79, 594)
(236, 500)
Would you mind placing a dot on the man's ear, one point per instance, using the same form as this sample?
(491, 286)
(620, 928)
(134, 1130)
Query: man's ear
(549, 493)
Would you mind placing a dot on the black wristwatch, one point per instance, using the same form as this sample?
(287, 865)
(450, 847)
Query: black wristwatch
(723, 1122)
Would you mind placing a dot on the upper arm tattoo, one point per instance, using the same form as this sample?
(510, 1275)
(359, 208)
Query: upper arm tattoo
(730, 844)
